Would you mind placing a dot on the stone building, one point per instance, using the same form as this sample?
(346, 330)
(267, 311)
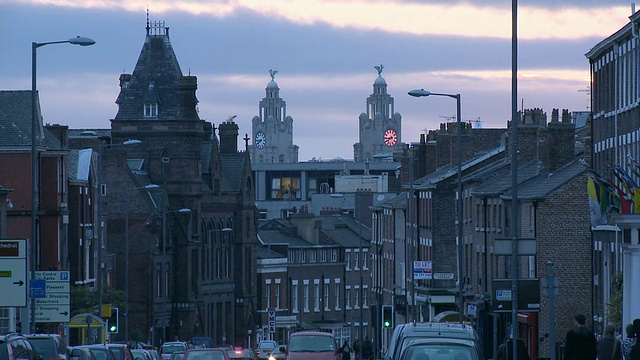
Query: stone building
(179, 207)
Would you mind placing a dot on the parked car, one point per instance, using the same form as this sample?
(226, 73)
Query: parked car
(264, 349)
(170, 347)
(153, 351)
(203, 341)
(240, 353)
(312, 345)
(141, 354)
(100, 351)
(279, 353)
(80, 353)
(49, 346)
(121, 351)
(207, 354)
(177, 355)
(455, 333)
(16, 347)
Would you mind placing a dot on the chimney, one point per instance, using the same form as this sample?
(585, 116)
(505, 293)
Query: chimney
(228, 132)
(187, 86)
(558, 148)
(306, 226)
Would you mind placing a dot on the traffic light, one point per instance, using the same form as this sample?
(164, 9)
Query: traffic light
(387, 316)
(114, 321)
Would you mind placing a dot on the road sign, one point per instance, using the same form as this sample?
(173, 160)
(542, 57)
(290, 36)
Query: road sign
(271, 314)
(56, 305)
(37, 288)
(13, 273)
(422, 270)
(528, 295)
(503, 295)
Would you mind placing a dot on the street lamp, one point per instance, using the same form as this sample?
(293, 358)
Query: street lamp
(126, 256)
(165, 268)
(101, 193)
(421, 93)
(82, 41)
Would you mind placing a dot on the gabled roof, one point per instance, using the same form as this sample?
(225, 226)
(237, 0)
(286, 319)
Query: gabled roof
(15, 121)
(539, 187)
(156, 79)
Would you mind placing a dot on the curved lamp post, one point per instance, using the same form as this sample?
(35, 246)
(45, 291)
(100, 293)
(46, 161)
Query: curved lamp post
(424, 93)
(82, 41)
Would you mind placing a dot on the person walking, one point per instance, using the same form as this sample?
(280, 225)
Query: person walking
(345, 351)
(608, 346)
(580, 343)
(356, 349)
(367, 349)
(628, 342)
(505, 351)
(634, 354)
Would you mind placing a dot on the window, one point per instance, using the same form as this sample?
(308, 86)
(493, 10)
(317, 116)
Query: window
(151, 110)
(267, 294)
(306, 296)
(277, 295)
(292, 258)
(356, 297)
(313, 256)
(303, 256)
(285, 185)
(356, 258)
(347, 297)
(365, 256)
(336, 293)
(364, 296)
(323, 256)
(327, 306)
(347, 260)
(334, 255)
(294, 296)
(316, 296)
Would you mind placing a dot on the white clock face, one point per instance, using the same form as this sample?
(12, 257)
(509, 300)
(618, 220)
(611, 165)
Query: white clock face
(261, 140)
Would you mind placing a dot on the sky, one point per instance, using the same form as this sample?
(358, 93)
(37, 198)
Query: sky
(325, 52)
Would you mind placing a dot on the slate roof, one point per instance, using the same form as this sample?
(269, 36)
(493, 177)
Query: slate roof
(15, 121)
(502, 183)
(155, 79)
(232, 172)
(539, 187)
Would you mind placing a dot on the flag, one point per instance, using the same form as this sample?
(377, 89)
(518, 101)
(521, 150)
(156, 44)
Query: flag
(597, 202)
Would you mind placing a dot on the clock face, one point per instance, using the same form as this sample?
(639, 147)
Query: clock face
(261, 140)
(390, 137)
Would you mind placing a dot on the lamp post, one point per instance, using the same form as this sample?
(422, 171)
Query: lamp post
(165, 268)
(126, 256)
(99, 231)
(82, 41)
(421, 93)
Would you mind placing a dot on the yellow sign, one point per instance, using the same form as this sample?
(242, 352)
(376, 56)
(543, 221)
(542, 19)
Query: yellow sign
(106, 310)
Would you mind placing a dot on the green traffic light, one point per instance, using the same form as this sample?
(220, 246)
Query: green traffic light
(113, 328)
(387, 324)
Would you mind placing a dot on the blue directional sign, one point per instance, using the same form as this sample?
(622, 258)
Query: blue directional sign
(37, 288)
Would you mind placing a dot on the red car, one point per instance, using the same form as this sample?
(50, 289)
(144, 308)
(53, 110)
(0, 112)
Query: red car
(206, 354)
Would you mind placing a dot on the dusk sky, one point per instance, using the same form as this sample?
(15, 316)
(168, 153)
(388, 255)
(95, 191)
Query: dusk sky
(325, 53)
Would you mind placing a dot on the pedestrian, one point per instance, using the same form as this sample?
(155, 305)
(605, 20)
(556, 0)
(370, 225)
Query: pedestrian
(345, 351)
(628, 342)
(634, 354)
(580, 343)
(356, 349)
(608, 347)
(505, 351)
(367, 349)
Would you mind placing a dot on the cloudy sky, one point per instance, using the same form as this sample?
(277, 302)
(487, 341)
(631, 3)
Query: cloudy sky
(325, 52)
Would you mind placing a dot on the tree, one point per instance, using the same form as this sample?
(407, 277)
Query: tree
(86, 300)
(614, 306)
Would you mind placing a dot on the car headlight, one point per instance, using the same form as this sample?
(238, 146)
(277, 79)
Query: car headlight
(271, 357)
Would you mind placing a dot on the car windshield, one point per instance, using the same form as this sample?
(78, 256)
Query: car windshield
(264, 345)
(311, 343)
(441, 351)
(205, 355)
(100, 354)
(170, 349)
(44, 346)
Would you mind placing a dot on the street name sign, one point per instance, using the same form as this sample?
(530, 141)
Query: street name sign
(13, 273)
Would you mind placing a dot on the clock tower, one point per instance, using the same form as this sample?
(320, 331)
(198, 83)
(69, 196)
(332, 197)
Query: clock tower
(272, 129)
(379, 127)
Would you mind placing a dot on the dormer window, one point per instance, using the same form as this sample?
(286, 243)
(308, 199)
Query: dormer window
(151, 110)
